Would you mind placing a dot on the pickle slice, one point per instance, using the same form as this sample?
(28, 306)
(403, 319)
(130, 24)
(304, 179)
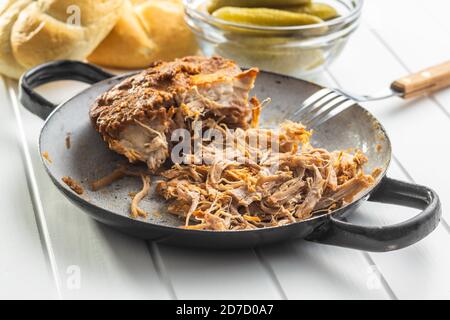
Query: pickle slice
(265, 17)
(321, 10)
(217, 4)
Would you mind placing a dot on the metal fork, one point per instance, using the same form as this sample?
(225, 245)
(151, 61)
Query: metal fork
(327, 103)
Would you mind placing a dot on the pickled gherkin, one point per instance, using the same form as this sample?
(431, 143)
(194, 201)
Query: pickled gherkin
(265, 17)
(265, 33)
(217, 4)
(321, 10)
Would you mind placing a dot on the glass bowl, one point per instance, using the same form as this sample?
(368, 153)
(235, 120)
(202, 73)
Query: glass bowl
(292, 50)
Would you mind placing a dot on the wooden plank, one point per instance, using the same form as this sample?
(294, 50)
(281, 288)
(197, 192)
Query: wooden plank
(437, 11)
(308, 270)
(93, 261)
(312, 271)
(421, 39)
(417, 46)
(419, 271)
(415, 128)
(410, 30)
(20, 244)
(418, 129)
(217, 274)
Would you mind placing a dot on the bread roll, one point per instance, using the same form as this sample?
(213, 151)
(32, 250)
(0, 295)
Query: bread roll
(146, 32)
(34, 32)
(9, 12)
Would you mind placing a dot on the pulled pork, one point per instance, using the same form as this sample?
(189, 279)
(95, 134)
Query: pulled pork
(239, 186)
(252, 178)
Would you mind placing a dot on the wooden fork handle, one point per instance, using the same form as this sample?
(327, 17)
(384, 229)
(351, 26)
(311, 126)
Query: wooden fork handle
(424, 82)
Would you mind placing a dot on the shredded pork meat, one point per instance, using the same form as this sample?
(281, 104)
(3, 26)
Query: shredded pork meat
(135, 210)
(275, 186)
(251, 178)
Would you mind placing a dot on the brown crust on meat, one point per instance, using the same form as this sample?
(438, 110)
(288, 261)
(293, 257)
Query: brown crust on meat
(138, 97)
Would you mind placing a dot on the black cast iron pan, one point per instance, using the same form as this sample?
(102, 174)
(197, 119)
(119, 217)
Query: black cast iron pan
(88, 159)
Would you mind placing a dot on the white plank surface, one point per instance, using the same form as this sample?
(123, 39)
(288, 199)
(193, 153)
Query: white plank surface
(209, 274)
(23, 269)
(110, 265)
(308, 270)
(396, 37)
(436, 13)
(419, 271)
(416, 128)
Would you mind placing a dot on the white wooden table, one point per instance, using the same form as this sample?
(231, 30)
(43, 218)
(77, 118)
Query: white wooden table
(50, 249)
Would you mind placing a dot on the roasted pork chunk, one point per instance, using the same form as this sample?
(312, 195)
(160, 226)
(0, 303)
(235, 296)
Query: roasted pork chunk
(136, 117)
(242, 176)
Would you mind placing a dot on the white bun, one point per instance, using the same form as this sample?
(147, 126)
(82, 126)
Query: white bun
(146, 32)
(34, 32)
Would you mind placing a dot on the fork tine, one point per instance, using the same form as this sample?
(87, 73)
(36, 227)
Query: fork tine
(336, 99)
(313, 107)
(313, 99)
(328, 114)
(321, 106)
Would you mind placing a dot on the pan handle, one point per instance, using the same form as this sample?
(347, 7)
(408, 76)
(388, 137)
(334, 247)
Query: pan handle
(387, 238)
(55, 71)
